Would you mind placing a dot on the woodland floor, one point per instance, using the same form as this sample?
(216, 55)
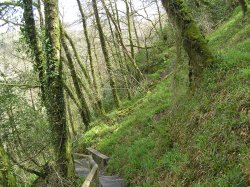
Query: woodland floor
(168, 137)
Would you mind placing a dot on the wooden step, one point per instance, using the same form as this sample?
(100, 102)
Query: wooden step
(100, 158)
(111, 181)
(83, 162)
(82, 167)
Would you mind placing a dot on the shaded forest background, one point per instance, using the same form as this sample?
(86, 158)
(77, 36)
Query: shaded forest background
(160, 86)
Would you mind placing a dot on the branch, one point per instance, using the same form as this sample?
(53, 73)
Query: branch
(71, 95)
(38, 173)
(8, 3)
(146, 47)
(11, 22)
(20, 85)
(35, 155)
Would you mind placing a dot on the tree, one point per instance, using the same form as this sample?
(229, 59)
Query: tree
(159, 14)
(106, 55)
(139, 74)
(194, 42)
(90, 55)
(7, 178)
(118, 58)
(84, 112)
(128, 15)
(243, 5)
(54, 93)
(32, 40)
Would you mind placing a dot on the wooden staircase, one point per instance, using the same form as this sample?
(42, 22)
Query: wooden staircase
(92, 168)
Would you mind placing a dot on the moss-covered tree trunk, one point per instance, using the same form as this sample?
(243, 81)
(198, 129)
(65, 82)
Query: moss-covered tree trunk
(119, 59)
(134, 27)
(128, 16)
(138, 72)
(77, 57)
(34, 43)
(117, 33)
(7, 178)
(39, 9)
(70, 116)
(84, 112)
(194, 42)
(85, 29)
(243, 5)
(98, 66)
(159, 15)
(55, 103)
(106, 55)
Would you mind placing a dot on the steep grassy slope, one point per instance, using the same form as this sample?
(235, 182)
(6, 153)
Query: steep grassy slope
(169, 137)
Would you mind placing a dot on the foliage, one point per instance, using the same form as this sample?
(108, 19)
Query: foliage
(24, 130)
(216, 11)
(182, 139)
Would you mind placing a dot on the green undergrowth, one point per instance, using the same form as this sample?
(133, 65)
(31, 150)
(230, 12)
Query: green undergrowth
(170, 137)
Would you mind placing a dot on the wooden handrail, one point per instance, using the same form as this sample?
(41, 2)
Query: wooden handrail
(81, 155)
(97, 153)
(93, 174)
(98, 157)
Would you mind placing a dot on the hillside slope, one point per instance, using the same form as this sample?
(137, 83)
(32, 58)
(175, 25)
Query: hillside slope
(169, 137)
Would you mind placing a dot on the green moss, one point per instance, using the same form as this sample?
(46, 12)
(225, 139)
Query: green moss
(182, 140)
(7, 177)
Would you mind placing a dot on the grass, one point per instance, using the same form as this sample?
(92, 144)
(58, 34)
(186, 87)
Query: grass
(168, 137)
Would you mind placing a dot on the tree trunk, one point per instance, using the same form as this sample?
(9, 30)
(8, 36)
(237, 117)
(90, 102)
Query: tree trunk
(119, 59)
(194, 42)
(243, 5)
(98, 66)
(106, 55)
(39, 9)
(85, 29)
(71, 95)
(78, 58)
(159, 15)
(71, 121)
(135, 29)
(55, 98)
(85, 112)
(7, 178)
(117, 33)
(139, 74)
(35, 45)
(128, 15)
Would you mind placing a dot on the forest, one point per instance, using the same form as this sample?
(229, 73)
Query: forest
(119, 93)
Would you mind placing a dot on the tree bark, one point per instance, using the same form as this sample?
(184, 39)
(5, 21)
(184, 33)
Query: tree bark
(159, 15)
(39, 8)
(98, 67)
(55, 103)
(119, 59)
(77, 57)
(128, 15)
(7, 178)
(71, 121)
(106, 55)
(71, 95)
(135, 29)
(139, 74)
(243, 5)
(34, 43)
(85, 29)
(85, 112)
(194, 42)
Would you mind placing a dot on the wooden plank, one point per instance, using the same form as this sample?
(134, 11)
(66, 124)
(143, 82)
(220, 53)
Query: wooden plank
(78, 155)
(91, 176)
(98, 154)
